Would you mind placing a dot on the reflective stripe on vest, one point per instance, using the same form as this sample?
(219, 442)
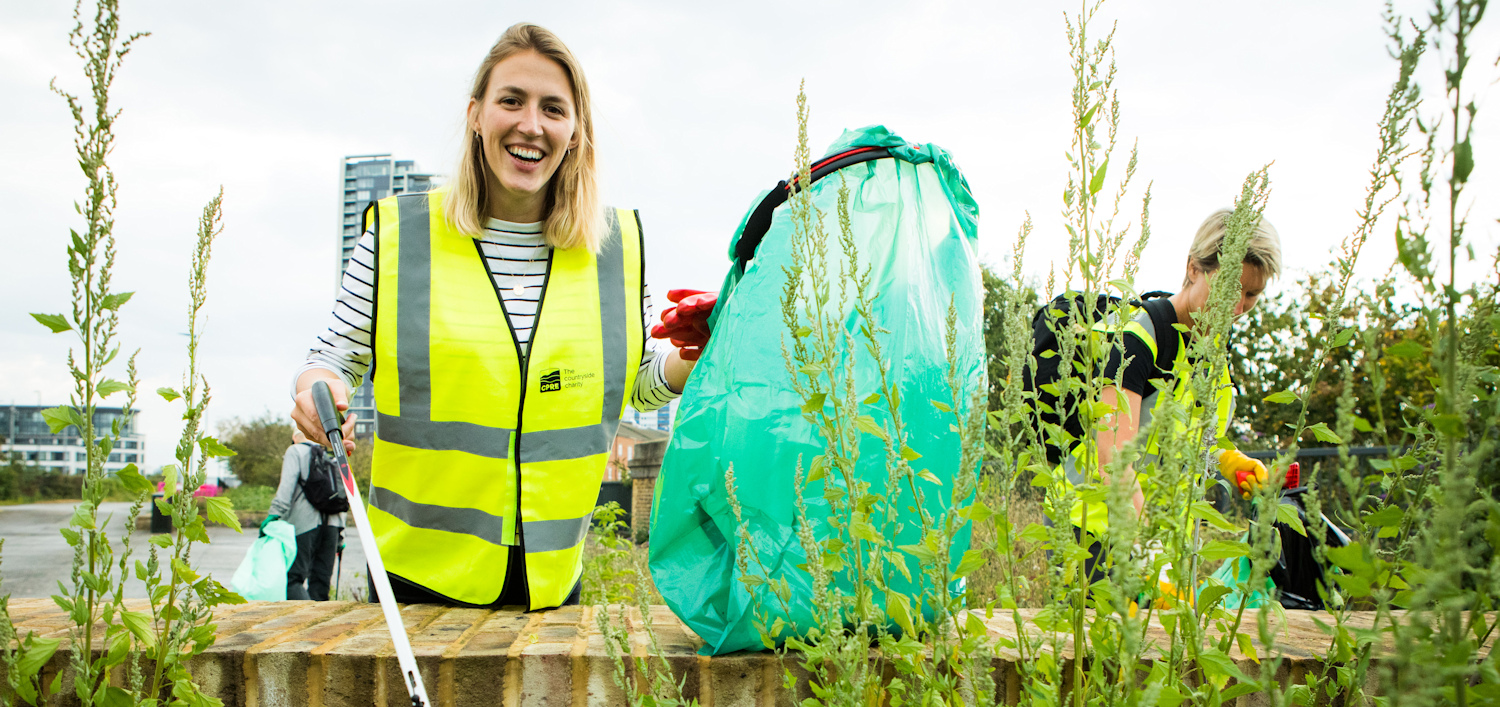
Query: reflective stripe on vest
(451, 474)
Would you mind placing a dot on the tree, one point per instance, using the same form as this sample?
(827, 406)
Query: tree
(1270, 349)
(259, 443)
(999, 293)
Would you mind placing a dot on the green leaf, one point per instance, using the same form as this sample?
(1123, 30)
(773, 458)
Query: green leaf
(1240, 689)
(195, 530)
(942, 406)
(1223, 550)
(868, 425)
(1350, 557)
(114, 300)
(139, 625)
(811, 369)
(221, 510)
(56, 322)
(1450, 425)
(929, 476)
(1035, 533)
(1463, 161)
(1281, 397)
(1203, 510)
(1386, 517)
(972, 560)
(1214, 662)
(110, 386)
(1354, 585)
(978, 512)
(819, 469)
(1089, 115)
(1406, 349)
(161, 540)
(168, 394)
(1286, 514)
(1169, 697)
(183, 572)
(923, 553)
(872, 399)
(1247, 649)
(900, 612)
(116, 697)
(1362, 425)
(82, 517)
(169, 480)
(1343, 337)
(60, 417)
(1209, 596)
(815, 403)
(130, 477)
(1323, 434)
(909, 454)
(1097, 182)
(802, 331)
(36, 655)
(212, 448)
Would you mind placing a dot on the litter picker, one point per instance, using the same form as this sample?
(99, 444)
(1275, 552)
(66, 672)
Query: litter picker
(332, 422)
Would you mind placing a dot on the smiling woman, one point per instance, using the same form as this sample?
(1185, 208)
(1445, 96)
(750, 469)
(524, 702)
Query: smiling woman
(494, 431)
(529, 120)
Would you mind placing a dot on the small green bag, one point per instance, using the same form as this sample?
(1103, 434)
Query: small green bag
(261, 576)
(915, 224)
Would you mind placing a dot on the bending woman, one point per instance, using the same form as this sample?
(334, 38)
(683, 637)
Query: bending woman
(502, 321)
(1158, 351)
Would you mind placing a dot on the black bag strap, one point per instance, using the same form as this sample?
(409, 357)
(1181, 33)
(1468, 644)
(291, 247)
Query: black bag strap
(760, 219)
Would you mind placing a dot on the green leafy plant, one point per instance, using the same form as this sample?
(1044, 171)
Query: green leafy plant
(143, 654)
(1352, 367)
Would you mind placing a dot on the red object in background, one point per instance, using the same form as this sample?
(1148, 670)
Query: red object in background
(1293, 476)
(204, 490)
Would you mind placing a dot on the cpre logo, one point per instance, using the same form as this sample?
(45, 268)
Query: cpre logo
(552, 380)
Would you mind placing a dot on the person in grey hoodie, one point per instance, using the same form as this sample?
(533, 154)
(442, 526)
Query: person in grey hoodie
(318, 536)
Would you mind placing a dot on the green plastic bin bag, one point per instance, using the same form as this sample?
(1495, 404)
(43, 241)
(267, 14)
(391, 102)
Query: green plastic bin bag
(262, 574)
(915, 224)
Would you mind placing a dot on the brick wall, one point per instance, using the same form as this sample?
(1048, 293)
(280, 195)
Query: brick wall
(642, 490)
(338, 654)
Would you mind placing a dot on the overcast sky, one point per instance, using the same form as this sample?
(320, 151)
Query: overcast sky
(695, 104)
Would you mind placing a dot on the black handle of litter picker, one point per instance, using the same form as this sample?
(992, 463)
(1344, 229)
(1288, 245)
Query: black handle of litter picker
(328, 414)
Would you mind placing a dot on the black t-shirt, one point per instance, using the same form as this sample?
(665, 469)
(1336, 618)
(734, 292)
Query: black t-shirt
(1143, 369)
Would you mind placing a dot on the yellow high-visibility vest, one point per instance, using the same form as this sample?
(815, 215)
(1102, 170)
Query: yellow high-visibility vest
(1079, 466)
(473, 437)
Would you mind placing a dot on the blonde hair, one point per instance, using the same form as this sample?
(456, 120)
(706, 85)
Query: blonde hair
(574, 217)
(1264, 251)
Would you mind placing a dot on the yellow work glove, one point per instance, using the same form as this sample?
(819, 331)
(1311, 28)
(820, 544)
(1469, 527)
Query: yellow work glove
(1242, 472)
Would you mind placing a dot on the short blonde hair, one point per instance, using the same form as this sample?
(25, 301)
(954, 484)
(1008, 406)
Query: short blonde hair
(1264, 251)
(574, 217)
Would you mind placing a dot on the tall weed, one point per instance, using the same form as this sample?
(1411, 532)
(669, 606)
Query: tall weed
(121, 656)
(1423, 564)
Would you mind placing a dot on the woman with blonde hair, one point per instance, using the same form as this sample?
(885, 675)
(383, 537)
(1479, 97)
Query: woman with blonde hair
(501, 320)
(1154, 349)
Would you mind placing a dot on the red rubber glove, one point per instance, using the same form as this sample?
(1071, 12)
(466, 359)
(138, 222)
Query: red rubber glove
(686, 323)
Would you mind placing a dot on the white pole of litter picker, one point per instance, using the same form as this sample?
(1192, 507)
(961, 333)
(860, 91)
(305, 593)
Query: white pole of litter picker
(331, 420)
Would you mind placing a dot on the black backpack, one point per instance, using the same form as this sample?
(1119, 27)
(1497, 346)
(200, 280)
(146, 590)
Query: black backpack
(1073, 308)
(321, 487)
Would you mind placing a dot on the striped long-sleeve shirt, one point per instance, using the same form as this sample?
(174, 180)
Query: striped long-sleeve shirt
(516, 256)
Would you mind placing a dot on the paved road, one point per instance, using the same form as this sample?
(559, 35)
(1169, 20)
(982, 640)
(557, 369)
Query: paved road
(36, 556)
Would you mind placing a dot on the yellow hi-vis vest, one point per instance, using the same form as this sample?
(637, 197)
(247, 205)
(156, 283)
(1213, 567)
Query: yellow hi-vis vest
(472, 436)
(1080, 466)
